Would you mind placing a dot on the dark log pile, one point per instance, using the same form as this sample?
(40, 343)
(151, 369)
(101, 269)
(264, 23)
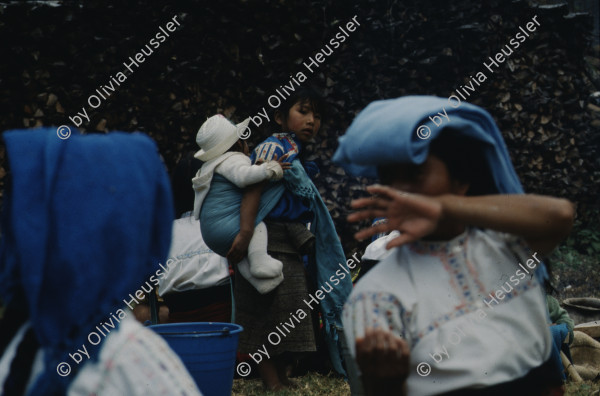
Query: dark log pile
(230, 57)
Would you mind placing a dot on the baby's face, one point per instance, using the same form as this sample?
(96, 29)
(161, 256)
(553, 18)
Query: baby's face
(430, 178)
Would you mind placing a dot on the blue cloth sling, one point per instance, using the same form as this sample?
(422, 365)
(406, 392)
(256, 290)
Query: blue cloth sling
(220, 222)
(85, 221)
(220, 212)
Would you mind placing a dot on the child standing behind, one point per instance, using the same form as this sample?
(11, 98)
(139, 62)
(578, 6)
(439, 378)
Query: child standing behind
(299, 121)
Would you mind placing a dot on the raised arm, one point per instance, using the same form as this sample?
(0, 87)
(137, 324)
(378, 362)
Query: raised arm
(239, 170)
(542, 221)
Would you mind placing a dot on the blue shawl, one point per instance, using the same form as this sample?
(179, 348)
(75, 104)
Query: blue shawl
(329, 254)
(85, 221)
(222, 207)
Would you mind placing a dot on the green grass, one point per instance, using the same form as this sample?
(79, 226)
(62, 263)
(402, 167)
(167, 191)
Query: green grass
(587, 388)
(574, 264)
(312, 384)
(584, 241)
(567, 256)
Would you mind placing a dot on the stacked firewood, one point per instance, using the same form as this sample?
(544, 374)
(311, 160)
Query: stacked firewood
(229, 57)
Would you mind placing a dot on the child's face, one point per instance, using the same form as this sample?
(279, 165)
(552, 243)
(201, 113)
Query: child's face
(430, 178)
(301, 120)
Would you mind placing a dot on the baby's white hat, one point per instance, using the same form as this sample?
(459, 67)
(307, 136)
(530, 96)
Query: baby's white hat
(217, 135)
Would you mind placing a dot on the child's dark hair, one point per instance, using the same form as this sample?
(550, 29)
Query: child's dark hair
(304, 94)
(466, 161)
(181, 183)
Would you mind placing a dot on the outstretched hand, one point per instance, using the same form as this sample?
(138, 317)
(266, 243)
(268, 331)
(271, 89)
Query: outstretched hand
(415, 216)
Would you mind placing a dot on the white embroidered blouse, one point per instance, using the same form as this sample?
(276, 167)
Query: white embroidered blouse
(471, 314)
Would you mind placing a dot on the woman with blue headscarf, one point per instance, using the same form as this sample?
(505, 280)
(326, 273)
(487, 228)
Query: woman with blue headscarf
(84, 222)
(457, 308)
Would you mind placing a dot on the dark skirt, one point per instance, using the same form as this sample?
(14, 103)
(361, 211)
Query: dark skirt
(212, 304)
(542, 380)
(273, 320)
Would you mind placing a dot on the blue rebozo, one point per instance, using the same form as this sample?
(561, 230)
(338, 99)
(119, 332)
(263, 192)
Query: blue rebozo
(294, 199)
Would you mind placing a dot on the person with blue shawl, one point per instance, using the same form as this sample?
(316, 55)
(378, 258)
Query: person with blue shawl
(457, 307)
(84, 222)
(286, 207)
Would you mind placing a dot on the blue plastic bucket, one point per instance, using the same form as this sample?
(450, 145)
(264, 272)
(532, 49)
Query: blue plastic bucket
(208, 350)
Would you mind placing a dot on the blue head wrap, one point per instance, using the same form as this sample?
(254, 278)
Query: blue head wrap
(386, 132)
(85, 221)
